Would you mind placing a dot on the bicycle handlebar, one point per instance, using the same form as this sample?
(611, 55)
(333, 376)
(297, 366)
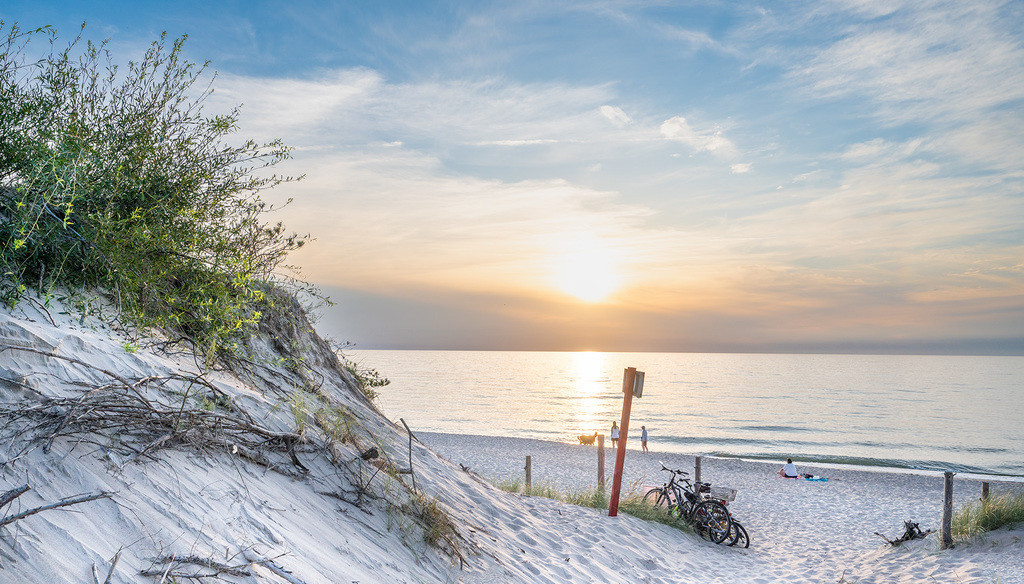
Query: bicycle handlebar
(678, 472)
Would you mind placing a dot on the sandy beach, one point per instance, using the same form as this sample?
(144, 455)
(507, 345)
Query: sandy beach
(801, 531)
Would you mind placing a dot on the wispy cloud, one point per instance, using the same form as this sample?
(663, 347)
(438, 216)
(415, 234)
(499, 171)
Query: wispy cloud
(679, 130)
(615, 115)
(943, 62)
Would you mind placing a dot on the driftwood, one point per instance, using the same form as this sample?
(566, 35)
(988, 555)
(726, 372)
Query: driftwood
(911, 531)
(65, 502)
(272, 566)
(217, 568)
(13, 494)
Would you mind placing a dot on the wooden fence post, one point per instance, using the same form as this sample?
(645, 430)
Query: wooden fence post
(696, 473)
(947, 511)
(600, 462)
(984, 490)
(529, 480)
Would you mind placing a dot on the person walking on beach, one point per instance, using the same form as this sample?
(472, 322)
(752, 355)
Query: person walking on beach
(788, 470)
(643, 437)
(615, 435)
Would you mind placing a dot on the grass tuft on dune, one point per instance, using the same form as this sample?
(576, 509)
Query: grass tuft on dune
(631, 503)
(987, 515)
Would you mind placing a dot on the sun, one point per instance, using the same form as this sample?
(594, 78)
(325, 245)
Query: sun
(588, 274)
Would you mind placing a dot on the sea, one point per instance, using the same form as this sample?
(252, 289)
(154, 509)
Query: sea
(960, 413)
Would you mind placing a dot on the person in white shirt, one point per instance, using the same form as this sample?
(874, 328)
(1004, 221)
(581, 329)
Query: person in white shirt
(788, 470)
(615, 434)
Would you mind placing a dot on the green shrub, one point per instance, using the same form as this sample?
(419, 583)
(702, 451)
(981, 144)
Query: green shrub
(988, 514)
(117, 180)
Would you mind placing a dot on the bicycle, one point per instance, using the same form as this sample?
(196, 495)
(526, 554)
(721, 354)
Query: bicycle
(709, 518)
(738, 535)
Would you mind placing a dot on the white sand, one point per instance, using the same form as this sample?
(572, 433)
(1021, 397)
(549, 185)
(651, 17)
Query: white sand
(218, 506)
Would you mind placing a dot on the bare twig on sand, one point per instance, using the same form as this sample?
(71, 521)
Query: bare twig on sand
(65, 502)
(13, 494)
(113, 565)
(252, 557)
(216, 568)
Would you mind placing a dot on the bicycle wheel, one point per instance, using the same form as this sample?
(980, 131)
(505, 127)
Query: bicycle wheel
(738, 535)
(734, 535)
(656, 497)
(711, 520)
(742, 539)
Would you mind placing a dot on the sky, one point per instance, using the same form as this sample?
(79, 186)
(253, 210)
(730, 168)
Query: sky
(821, 176)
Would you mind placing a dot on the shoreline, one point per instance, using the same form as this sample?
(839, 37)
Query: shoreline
(867, 467)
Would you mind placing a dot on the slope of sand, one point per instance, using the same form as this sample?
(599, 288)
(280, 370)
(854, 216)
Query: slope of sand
(343, 521)
(800, 531)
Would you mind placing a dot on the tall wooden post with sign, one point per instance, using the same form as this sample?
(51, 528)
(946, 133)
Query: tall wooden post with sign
(632, 384)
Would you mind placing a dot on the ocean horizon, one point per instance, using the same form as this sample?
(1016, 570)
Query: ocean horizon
(928, 412)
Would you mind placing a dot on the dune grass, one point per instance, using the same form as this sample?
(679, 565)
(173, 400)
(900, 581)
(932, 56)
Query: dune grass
(986, 515)
(631, 503)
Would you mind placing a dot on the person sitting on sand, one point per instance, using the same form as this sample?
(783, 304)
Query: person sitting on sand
(788, 470)
(615, 434)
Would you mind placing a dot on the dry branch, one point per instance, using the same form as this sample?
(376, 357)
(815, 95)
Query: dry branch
(217, 568)
(273, 567)
(13, 494)
(113, 565)
(62, 503)
(121, 412)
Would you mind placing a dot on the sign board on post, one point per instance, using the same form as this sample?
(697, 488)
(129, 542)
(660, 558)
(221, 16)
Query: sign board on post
(638, 384)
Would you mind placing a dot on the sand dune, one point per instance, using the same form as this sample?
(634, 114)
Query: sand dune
(344, 521)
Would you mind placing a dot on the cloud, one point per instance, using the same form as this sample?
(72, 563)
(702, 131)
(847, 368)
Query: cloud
(937, 62)
(616, 115)
(515, 142)
(740, 168)
(270, 106)
(679, 130)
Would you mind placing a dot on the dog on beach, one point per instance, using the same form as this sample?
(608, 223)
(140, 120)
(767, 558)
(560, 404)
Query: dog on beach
(587, 439)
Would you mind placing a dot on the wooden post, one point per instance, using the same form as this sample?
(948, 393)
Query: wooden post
(600, 462)
(947, 511)
(696, 473)
(628, 378)
(410, 453)
(529, 479)
(984, 490)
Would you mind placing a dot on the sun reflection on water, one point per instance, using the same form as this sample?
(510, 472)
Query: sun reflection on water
(589, 381)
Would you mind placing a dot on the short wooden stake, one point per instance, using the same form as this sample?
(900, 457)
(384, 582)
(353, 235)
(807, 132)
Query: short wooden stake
(600, 462)
(410, 453)
(696, 472)
(947, 511)
(529, 479)
(984, 490)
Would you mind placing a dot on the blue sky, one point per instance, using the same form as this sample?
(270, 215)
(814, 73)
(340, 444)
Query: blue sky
(840, 175)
